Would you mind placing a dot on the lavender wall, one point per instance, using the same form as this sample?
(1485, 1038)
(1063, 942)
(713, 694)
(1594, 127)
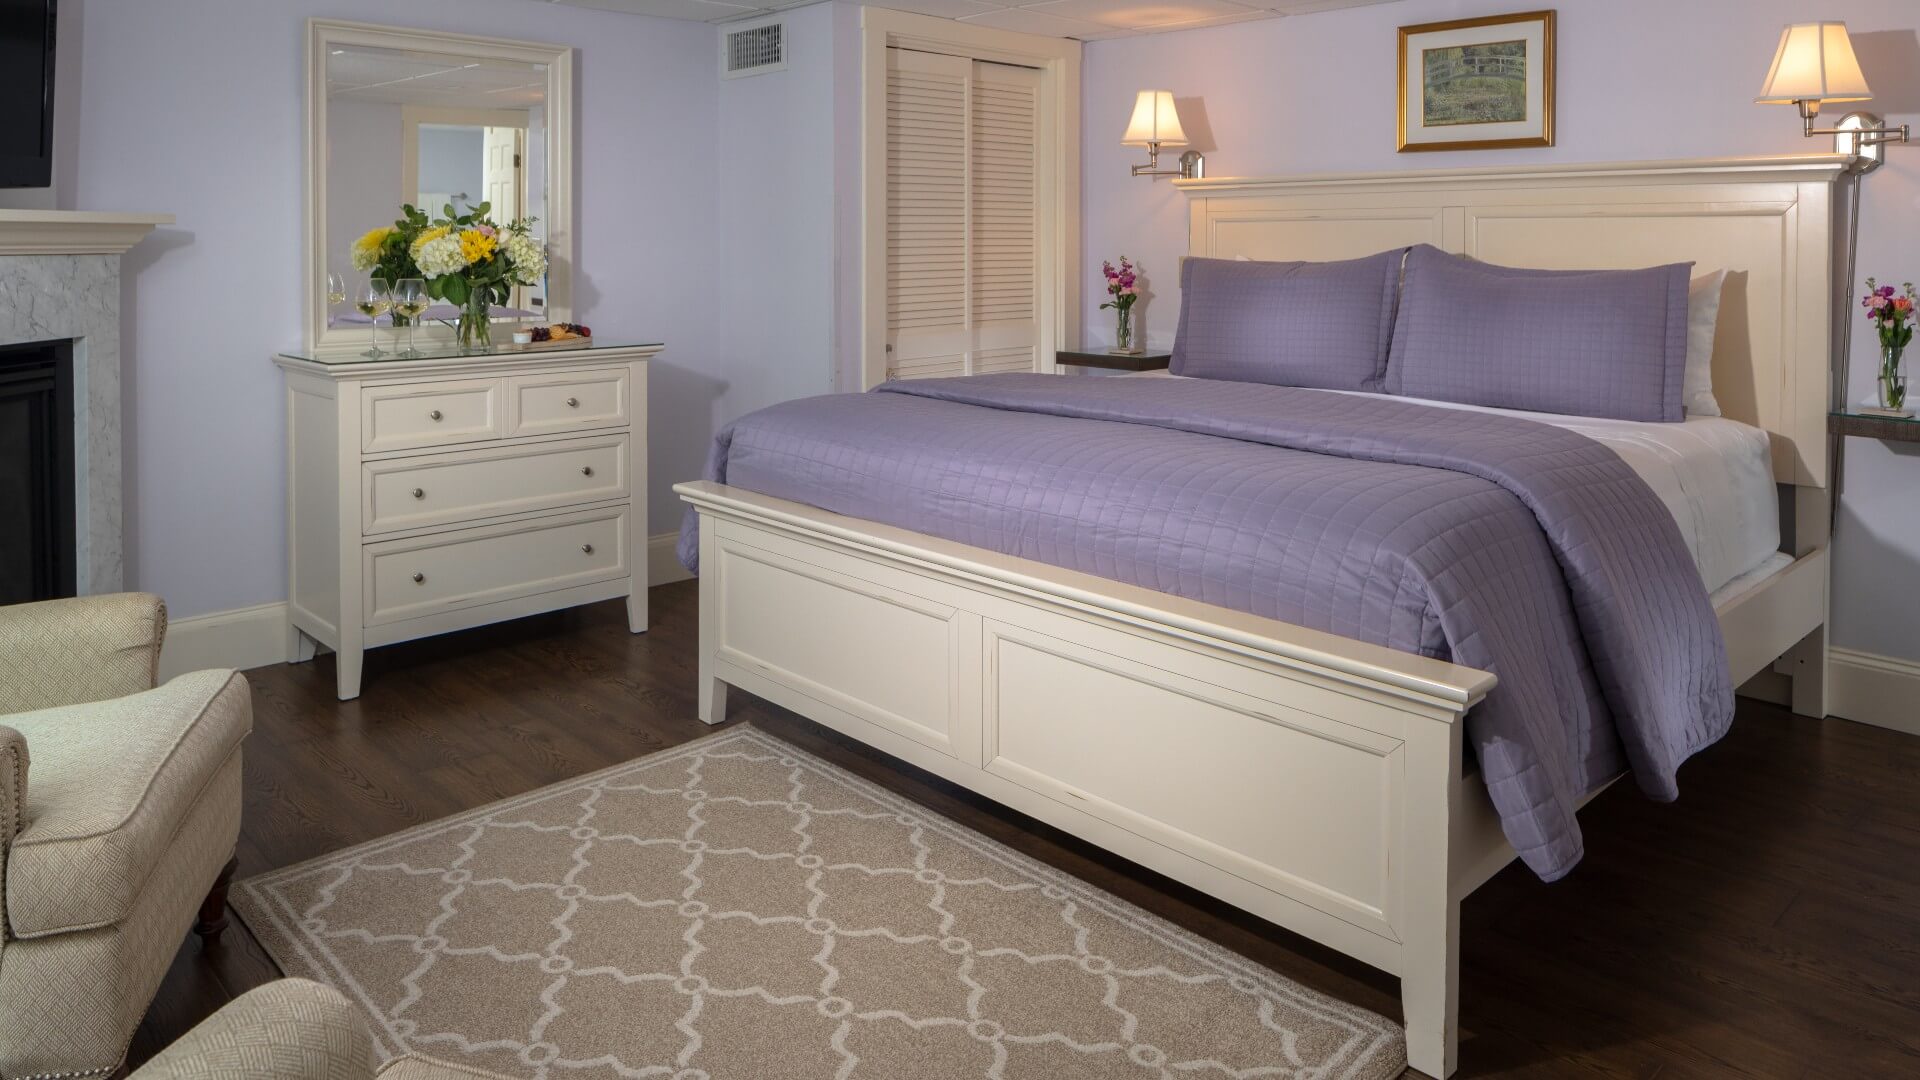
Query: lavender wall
(195, 107)
(1638, 79)
(775, 182)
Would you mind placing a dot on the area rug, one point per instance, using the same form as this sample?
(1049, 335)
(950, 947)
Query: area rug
(737, 909)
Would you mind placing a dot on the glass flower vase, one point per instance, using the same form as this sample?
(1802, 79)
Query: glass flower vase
(1123, 330)
(1893, 378)
(475, 328)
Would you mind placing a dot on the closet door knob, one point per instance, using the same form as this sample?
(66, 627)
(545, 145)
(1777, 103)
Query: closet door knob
(573, 403)
(587, 548)
(434, 415)
(418, 577)
(419, 493)
(586, 470)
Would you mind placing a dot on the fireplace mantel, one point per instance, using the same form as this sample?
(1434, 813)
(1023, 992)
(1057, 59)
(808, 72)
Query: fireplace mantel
(73, 232)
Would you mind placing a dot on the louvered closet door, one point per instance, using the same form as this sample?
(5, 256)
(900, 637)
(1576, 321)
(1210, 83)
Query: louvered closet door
(962, 292)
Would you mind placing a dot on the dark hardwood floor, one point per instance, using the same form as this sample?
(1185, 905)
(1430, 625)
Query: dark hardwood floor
(1768, 924)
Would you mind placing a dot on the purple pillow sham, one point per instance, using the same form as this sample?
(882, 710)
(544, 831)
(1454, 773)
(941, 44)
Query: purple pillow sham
(1324, 325)
(1609, 343)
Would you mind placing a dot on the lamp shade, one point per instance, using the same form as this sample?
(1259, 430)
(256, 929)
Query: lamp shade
(1155, 121)
(1815, 62)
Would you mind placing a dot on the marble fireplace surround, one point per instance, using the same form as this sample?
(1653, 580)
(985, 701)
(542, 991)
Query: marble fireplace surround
(59, 280)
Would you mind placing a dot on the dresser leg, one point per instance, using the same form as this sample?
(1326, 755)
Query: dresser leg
(300, 647)
(347, 662)
(637, 610)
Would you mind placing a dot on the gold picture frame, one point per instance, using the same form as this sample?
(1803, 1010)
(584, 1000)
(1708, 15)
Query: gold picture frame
(1483, 84)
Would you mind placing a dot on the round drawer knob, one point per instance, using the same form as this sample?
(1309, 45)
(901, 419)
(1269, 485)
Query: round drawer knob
(586, 470)
(418, 577)
(419, 493)
(587, 548)
(573, 403)
(434, 415)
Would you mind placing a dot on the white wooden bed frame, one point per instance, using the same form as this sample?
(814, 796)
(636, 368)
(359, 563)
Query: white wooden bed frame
(1314, 780)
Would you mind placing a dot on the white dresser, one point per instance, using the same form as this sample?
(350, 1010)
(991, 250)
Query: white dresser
(447, 491)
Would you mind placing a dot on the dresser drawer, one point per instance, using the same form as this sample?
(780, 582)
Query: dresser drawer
(567, 401)
(409, 493)
(408, 579)
(405, 415)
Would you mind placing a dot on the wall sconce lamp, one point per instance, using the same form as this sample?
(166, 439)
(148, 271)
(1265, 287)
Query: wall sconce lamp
(1815, 64)
(1156, 123)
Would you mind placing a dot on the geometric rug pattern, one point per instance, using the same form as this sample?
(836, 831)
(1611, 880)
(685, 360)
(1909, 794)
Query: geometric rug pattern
(737, 909)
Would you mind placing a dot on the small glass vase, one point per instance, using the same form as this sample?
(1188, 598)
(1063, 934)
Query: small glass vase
(475, 328)
(1123, 330)
(1893, 379)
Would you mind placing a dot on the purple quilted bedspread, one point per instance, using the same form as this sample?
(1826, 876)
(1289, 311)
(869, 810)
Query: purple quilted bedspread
(1502, 544)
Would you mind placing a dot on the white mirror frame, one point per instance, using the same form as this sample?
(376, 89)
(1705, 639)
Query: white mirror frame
(325, 35)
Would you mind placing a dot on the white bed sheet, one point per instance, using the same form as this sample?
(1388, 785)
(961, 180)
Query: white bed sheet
(1715, 476)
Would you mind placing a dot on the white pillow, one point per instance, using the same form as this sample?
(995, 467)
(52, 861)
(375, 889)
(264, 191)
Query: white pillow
(1703, 314)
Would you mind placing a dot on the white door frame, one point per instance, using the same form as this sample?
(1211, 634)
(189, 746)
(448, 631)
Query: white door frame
(412, 116)
(1057, 261)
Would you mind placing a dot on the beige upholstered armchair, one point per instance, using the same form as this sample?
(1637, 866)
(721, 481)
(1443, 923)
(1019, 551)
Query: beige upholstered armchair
(289, 1030)
(119, 808)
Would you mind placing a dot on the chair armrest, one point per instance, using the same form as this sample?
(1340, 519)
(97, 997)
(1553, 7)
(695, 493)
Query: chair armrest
(13, 806)
(68, 652)
(293, 1029)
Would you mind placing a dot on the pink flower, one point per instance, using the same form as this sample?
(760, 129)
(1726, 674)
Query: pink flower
(1876, 302)
(1127, 290)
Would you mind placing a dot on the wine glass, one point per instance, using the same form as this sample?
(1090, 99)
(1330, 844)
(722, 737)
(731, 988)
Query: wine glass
(374, 301)
(336, 293)
(410, 299)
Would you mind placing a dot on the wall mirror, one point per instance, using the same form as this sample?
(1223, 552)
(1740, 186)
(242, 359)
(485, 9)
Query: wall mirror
(446, 123)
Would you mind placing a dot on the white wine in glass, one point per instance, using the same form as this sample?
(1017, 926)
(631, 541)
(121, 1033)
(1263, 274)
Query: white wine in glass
(374, 301)
(410, 299)
(336, 290)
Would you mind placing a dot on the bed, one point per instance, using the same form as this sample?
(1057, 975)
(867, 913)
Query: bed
(1316, 780)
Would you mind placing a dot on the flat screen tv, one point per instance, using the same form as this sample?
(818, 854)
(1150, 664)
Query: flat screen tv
(26, 93)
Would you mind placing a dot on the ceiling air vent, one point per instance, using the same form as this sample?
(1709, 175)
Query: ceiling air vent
(753, 50)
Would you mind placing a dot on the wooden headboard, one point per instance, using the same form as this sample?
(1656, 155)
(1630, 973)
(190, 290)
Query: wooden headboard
(1768, 221)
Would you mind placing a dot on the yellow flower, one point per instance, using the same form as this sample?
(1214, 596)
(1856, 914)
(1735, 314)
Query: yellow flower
(366, 250)
(476, 246)
(426, 235)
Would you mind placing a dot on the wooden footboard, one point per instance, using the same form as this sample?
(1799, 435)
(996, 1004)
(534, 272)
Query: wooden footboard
(1313, 780)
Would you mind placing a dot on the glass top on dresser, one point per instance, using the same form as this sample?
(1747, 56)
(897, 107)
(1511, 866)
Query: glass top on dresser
(499, 348)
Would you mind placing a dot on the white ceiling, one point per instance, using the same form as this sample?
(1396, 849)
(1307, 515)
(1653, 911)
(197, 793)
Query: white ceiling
(1087, 20)
(390, 75)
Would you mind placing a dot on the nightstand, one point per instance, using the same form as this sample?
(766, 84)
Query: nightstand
(1147, 361)
(1869, 426)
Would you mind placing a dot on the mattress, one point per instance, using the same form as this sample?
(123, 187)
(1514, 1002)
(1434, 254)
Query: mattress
(1714, 475)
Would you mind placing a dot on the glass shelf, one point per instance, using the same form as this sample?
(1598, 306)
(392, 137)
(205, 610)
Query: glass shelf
(499, 348)
(1869, 426)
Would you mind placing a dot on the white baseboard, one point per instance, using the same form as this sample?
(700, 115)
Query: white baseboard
(256, 636)
(1880, 690)
(663, 566)
(243, 638)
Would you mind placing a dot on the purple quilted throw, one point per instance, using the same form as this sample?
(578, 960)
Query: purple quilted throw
(1502, 544)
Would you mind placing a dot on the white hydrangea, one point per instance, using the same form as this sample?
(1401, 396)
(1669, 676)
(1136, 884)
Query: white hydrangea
(529, 259)
(440, 256)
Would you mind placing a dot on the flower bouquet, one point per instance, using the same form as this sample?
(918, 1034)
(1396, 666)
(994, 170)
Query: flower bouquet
(1893, 317)
(1123, 288)
(466, 259)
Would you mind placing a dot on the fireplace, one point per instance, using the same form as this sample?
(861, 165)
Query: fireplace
(37, 551)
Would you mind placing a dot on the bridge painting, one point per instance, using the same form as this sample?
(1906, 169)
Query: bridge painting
(1474, 84)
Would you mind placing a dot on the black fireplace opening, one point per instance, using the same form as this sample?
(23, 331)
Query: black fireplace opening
(37, 559)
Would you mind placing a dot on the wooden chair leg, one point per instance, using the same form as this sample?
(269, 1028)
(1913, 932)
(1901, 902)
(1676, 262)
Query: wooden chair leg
(213, 910)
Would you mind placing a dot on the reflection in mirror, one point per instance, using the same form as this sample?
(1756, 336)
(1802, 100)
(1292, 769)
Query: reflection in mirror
(441, 132)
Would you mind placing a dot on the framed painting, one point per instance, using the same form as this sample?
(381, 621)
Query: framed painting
(1477, 84)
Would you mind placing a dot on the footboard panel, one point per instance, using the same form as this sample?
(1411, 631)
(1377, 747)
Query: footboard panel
(1310, 779)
